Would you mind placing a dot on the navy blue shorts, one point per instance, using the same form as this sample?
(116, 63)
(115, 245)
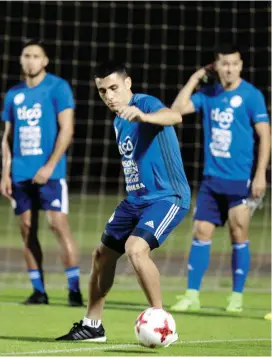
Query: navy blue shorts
(216, 196)
(53, 196)
(151, 221)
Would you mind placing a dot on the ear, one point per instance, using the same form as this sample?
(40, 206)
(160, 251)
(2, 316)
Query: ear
(241, 65)
(46, 61)
(128, 82)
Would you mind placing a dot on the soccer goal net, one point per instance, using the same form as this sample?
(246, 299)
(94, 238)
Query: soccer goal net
(162, 43)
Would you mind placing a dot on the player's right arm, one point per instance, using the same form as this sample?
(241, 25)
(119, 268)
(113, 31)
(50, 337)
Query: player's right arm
(183, 103)
(7, 117)
(6, 185)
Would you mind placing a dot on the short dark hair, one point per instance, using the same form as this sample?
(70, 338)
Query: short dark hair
(109, 67)
(226, 49)
(34, 42)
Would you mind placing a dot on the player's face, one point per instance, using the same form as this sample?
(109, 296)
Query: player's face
(229, 67)
(33, 61)
(114, 90)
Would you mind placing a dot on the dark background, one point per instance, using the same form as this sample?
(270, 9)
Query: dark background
(163, 43)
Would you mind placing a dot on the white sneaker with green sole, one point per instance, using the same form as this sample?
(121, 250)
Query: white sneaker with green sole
(188, 302)
(235, 302)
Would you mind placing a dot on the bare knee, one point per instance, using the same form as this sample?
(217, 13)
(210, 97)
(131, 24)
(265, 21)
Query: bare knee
(238, 221)
(58, 223)
(136, 249)
(25, 227)
(238, 233)
(55, 227)
(97, 255)
(102, 255)
(203, 230)
(134, 255)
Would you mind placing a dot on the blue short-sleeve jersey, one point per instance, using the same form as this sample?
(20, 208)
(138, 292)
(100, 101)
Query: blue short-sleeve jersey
(151, 157)
(228, 120)
(33, 112)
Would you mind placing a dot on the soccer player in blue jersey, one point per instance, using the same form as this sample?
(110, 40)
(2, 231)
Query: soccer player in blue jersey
(38, 115)
(158, 195)
(233, 110)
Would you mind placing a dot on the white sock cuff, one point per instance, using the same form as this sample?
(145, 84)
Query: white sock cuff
(201, 243)
(91, 322)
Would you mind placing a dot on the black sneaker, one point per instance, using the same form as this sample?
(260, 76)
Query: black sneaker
(84, 333)
(37, 298)
(75, 298)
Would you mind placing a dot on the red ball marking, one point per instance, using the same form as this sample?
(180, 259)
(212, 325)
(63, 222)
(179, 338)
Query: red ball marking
(140, 321)
(164, 331)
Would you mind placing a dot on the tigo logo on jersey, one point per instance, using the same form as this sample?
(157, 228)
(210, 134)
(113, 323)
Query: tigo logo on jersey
(126, 147)
(32, 115)
(224, 118)
(19, 98)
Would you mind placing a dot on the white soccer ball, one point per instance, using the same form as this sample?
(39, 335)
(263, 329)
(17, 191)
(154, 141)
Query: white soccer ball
(155, 328)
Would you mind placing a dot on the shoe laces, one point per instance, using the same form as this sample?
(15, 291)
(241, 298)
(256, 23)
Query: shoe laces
(35, 294)
(76, 326)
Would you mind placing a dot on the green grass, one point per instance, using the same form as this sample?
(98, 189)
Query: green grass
(89, 214)
(26, 330)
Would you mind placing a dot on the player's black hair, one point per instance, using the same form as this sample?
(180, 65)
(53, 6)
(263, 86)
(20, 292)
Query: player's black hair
(109, 67)
(34, 42)
(226, 49)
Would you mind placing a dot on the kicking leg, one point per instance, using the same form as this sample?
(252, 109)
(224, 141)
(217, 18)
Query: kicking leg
(147, 273)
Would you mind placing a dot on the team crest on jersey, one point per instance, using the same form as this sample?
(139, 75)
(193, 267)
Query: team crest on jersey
(19, 98)
(236, 101)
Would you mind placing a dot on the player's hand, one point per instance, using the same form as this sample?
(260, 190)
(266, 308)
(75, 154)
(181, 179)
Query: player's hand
(198, 75)
(43, 174)
(258, 185)
(6, 187)
(131, 113)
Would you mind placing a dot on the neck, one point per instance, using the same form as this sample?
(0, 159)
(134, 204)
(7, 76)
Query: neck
(33, 82)
(130, 96)
(231, 86)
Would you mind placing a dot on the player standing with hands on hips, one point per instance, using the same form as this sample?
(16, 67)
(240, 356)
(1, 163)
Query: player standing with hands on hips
(39, 118)
(232, 110)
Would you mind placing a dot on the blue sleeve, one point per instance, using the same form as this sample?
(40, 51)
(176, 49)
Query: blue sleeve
(152, 105)
(63, 97)
(257, 107)
(7, 114)
(198, 100)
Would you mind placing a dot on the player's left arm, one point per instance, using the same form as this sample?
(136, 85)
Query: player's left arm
(259, 182)
(64, 104)
(258, 113)
(163, 116)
